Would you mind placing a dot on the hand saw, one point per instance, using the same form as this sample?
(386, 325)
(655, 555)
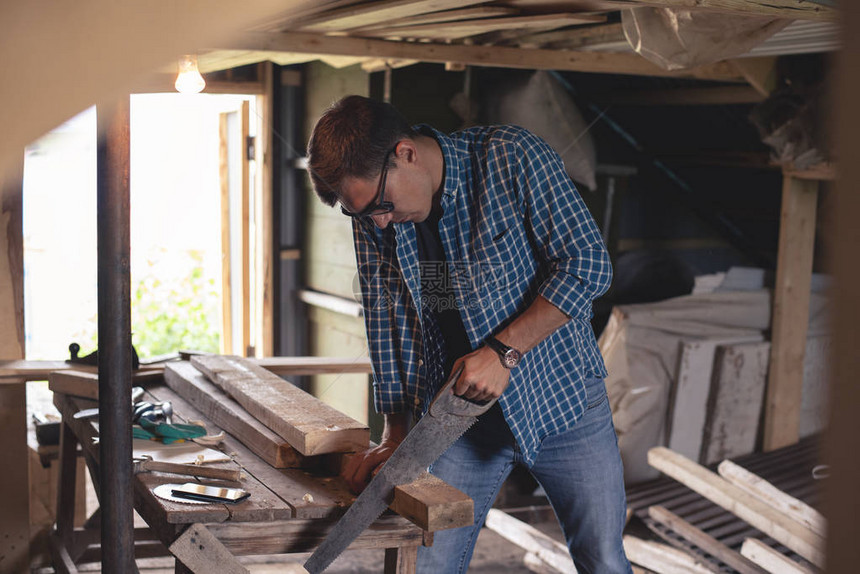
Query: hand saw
(448, 418)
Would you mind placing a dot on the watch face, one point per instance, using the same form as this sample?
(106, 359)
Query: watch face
(512, 358)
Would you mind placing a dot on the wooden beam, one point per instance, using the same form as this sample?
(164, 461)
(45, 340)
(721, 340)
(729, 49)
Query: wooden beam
(202, 553)
(245, 222)
(531, 539)
(747, 507)
(432, 504)
(77, 383)
(465, 28)
(719, 96)
(661, 558)
(361, 14)
(790, 312)
(703, 540)
(226, 266)
(574, 38)
(820, 172)
(842, 440)
(772, 561)
(491, 56)
(14, 481)
(816, 10)
(762, 489)
(264, 218)
(14, 372)
(445, 16)
(759, 72)
(308, 424)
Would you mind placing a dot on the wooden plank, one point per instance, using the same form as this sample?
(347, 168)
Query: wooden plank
(264, 244)
(814, 10)
(703, 540)
(760, 73)
(225, 412)
(735, 401)
(688, 399)
(78, 383)
(226, 267)
(531, 539)
(361, 14)
(721, 492)
(790, 312)
(14, 481)
(444, 16)
(17, 371)
(304, 535)
(763, 490)
(492, 56)
(575, 37)
(308, 424)
(660, 558)
(202, 553)
(771, 560)
(400, 560)
(432, 504)
(466, 28)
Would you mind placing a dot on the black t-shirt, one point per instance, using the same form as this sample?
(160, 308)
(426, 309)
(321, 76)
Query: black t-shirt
(439, 305)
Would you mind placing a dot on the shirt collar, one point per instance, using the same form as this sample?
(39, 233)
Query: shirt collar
(451, 158)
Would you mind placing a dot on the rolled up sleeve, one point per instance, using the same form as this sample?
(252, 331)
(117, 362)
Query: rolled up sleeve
(569, 242)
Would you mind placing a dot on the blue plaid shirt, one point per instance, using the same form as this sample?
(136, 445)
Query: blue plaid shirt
(513, 227)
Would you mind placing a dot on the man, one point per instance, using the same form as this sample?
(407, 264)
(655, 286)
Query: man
(475, 251)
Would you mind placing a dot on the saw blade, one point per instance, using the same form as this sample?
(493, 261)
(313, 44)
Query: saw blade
(449, 417)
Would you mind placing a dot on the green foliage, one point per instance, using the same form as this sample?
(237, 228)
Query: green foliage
(172, 314)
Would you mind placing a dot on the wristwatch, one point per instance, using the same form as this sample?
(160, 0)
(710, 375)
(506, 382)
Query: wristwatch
(509, 356)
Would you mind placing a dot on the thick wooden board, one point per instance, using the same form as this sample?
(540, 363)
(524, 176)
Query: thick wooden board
(747, 507)
(773, 496)
(689, 401)
(202, 553)
(221, 409)
(704, 541)
(661, 558)
(78, 383)
(735, 401)
(433, 505)
(308, 424)
(790, 312)
(771, 560)
(531, 539)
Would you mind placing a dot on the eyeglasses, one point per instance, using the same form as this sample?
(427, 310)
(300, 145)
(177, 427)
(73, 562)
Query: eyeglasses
(376, 208)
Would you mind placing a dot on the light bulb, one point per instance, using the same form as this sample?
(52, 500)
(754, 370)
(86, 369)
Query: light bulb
(189, 80)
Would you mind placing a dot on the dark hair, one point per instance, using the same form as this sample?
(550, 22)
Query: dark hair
(351, 139)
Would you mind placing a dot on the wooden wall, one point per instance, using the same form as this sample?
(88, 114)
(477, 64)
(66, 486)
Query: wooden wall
(330, 257)
(14, 480)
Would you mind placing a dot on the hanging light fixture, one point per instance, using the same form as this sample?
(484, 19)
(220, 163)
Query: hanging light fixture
(189, 80)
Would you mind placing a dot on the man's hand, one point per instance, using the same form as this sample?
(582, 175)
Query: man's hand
(483, 377)
(362, 466)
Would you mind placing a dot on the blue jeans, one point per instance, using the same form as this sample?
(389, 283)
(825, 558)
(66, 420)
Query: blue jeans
(579, 469)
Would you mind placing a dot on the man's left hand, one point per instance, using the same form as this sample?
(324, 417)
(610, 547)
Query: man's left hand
(483, 377)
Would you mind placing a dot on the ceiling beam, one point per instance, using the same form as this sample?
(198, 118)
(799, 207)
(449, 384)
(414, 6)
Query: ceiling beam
(490, 56)
(721, 95)
(818, 10)
(363, 14)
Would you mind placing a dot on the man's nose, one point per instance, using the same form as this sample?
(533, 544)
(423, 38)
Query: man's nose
(382, 220)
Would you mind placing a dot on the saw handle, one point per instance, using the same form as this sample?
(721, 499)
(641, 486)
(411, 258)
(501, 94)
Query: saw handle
(446, 402)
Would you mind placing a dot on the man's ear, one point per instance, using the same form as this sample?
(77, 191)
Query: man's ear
(406, 151)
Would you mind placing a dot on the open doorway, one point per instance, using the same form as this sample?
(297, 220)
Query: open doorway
(188, 186)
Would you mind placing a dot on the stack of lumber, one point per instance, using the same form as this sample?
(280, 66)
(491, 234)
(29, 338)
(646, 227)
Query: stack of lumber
(751, 516)
(279, 422)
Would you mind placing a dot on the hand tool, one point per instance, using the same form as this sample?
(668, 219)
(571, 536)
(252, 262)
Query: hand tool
(136, 395)
(146, 464)
(93, 358)
(448, 418)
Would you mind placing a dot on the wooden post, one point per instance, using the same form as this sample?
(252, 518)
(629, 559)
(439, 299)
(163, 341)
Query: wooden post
(842, 497)
(790, 312)
(14, 480)
(264, 217)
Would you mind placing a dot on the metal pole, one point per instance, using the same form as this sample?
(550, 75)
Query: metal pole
(114, 297)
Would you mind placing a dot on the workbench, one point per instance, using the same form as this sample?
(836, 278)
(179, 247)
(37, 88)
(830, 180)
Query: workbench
(289, 510)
